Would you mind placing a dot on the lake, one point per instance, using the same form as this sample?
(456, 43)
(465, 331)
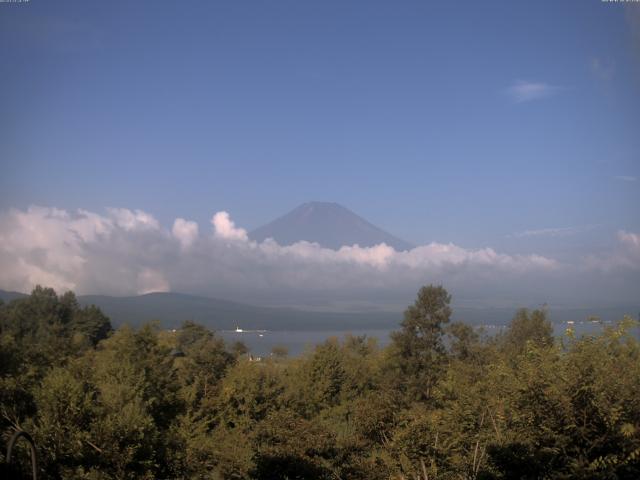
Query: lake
(260, 343)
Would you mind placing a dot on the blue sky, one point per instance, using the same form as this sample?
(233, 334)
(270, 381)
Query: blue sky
(478, 123)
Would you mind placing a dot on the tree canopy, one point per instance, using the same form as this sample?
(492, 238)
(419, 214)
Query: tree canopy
(441, 401)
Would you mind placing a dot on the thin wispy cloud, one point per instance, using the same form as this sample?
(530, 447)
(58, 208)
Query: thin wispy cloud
(553, 232)
(626, 178)
(525, 91)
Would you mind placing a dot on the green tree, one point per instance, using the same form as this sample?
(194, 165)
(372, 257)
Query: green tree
(528, 327)
(91, 323)
(292, 448)
(248, 393)
(203, 362)
(464, 340)
(65, 411)
(418, 354)
(323, 377)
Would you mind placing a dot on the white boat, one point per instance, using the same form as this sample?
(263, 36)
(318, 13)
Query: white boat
(239, 330)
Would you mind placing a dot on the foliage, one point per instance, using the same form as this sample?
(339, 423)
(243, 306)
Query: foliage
(417, 355)
(440, 402)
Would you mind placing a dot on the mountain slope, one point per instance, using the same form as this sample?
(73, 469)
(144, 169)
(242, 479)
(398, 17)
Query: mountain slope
(171, 309)
(7, 296)
(329, 224)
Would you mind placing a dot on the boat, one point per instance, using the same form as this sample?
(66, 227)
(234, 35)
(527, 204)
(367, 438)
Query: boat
(238, 330)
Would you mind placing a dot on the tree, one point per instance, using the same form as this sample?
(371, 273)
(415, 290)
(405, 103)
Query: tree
(280, 351)
(463, 340)
(418, 353)
(528, 327)
(248, 393)
(91, 323)
(61, 430)
(290, 447)
(204, 363)
(323, 377)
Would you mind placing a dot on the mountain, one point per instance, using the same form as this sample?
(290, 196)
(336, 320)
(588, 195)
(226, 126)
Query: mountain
(7, 297)
(171, 309)
(329, 224)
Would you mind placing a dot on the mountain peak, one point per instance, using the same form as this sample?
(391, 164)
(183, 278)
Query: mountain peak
(327, 223)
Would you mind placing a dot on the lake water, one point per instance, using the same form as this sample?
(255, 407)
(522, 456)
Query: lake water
(297, 341)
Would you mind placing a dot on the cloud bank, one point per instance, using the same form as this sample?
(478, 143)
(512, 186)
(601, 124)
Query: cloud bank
(625, 257)
(126, 252)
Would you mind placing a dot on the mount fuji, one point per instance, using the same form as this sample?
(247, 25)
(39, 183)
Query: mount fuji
(329, 224)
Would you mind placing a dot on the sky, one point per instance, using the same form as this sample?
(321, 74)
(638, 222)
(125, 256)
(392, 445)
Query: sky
(510, 127)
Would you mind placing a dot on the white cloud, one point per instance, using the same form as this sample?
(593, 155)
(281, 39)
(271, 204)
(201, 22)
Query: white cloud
(624, 258)
(150, 280)
(53, 247)
(438, 255)
(626, 178)
(523, 91)
(127, 252)
(225, 228)
(185, 231)
(133, 220)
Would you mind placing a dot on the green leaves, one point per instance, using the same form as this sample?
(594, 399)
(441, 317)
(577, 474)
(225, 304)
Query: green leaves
(417, 354)
(440, 402)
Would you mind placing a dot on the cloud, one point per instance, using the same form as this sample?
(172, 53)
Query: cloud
(626, 178)
(631, 241)
(225, 228)
(185, 232)
(524, 91)
(126, 252)
(150, 280)
(53, 247)
(553, 232)
(132, 220)
(624, 258)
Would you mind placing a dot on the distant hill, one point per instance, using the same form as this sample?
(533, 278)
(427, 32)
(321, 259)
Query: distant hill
(329, 224)
(171, 309)
(9, 296)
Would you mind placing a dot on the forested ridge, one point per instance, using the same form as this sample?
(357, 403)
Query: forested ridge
(442, 401)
